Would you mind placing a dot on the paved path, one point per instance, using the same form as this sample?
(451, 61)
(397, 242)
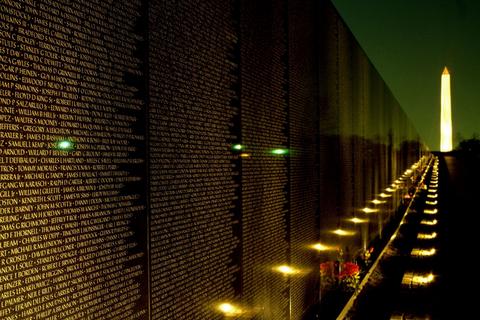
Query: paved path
(430, 271)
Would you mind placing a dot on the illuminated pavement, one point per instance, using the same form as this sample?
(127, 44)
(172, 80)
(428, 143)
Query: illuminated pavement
(429, 269)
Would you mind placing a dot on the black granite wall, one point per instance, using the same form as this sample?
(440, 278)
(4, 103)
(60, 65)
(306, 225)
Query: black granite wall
(122, 195)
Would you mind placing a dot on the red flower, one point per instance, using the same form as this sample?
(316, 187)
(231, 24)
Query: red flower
(349, 269)
(326, 268)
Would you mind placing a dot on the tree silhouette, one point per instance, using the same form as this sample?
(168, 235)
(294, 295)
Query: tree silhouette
(470, 146)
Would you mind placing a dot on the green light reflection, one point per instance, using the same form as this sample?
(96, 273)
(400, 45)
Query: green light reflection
(280, 151)
(65, 145)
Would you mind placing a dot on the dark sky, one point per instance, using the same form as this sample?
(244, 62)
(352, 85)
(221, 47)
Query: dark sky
(409, 42)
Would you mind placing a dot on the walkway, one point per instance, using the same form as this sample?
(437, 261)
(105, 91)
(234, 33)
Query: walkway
(428, 270)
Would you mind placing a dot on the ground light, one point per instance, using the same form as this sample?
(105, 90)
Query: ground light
(358, 220)
(429, 222)
(323, 247)
(229, 309)
(427, 236)
(343, 233)
(417, 252)
(286, 270)
(423, 279)
(369, 210)
(410, 279)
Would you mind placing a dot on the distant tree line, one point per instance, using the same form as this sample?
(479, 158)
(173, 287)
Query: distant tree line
(470, 146)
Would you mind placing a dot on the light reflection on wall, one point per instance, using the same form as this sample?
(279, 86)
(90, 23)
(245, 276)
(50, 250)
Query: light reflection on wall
(369, 150)
(272, 145)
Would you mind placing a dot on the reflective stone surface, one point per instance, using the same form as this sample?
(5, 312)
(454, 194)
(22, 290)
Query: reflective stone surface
(188, 159)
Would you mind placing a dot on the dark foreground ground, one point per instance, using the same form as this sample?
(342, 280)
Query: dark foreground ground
(455, 290)
(460, 206)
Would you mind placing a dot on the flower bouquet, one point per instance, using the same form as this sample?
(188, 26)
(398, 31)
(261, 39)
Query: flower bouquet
(349, 276)
(340, 275)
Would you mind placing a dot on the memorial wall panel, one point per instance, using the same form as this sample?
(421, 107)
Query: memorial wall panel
(366, 142)
(160, 157)
(303, 130)
(72, 160)
(265, 203)
(194, 187)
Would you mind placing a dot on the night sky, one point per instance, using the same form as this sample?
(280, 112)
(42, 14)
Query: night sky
(410, 42)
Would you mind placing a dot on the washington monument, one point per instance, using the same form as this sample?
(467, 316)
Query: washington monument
(446, 114)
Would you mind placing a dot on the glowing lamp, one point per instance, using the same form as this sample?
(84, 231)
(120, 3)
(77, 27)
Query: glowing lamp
(369, 210)
(427, 236)
(65, 145)
(244, 155)
(432, 196)
(423, 279)
(237, 147)
(429, 222)
(430, 211)
(384, 195)
(286, 270)
(229, 310)
(343, 233)
(358, 220)
(390, 189)
(416, 252)
(432, 203)
(412, 279)
(376, 201)
(280, 152)
(323, 247)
